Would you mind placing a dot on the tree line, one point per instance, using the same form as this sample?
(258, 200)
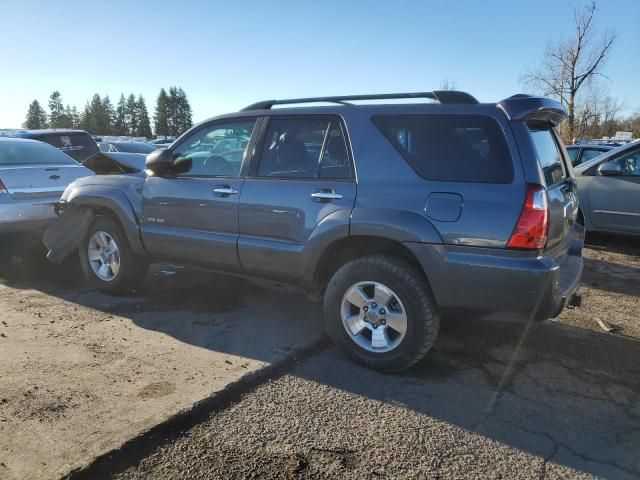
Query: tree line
(572, 71)
(129, 117)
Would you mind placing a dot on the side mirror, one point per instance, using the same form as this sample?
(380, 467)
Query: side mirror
(159, 161)
(609, 169)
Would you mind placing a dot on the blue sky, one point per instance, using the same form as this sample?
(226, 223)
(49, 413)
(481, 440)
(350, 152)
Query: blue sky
(226, 54)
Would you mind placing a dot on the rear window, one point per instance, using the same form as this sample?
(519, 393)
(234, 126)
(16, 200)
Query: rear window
(28, 153)
(451, 148)
(549, 155)
(78, 146)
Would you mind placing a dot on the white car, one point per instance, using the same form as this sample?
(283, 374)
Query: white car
(33, 175)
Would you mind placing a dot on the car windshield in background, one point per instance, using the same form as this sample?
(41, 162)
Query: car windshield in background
(79, 146)
(453, 148)
(549, 155)
(133, 147)
(28, 153)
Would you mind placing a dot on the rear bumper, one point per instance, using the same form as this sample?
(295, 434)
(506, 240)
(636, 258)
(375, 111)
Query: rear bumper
(24, 216)
(494, 281)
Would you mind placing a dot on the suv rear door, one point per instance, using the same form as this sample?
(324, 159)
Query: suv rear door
(560, 184)
(303, 176)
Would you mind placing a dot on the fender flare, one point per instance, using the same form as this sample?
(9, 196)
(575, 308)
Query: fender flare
(116, 202)
(384, 223)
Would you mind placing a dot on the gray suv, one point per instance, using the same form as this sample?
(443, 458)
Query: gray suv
(390, 213)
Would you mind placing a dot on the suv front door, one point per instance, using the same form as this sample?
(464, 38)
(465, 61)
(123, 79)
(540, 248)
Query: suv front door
(302, 178)
(192, 216)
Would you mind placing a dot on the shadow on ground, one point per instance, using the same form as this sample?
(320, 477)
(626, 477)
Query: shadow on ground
(566, 394)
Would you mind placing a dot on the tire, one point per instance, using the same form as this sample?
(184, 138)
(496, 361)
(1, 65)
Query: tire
(410, 294)
(132, 269)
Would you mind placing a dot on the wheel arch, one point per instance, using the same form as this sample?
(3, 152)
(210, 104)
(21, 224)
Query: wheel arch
(112, 202)
(349, 248)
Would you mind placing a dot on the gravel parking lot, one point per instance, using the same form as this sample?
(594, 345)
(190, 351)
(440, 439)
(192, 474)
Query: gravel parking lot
(84, 373)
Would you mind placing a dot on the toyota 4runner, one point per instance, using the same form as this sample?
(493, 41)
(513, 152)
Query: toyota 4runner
(390, 213)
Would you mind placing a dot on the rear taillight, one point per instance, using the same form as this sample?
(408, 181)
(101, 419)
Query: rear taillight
(3, 189)
(531, 230)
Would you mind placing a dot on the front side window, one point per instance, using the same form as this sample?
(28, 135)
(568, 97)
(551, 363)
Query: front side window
(216, 150)
(548, 153)
(630, 163)
(452, 148)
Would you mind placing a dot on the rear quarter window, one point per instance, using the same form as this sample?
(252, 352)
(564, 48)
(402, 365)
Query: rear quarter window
(78, 146)
(452, 148)
(548, 153)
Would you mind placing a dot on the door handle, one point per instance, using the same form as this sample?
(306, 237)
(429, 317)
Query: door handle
(325, 196)
(224, 191)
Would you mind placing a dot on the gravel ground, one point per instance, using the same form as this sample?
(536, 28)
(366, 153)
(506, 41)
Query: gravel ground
(82, 373)
(559, 399)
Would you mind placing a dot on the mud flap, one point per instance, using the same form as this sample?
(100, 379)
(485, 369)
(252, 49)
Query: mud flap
(66, 232)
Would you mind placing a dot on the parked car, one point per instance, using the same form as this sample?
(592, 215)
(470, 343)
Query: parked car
(392, 214)
(609, 191)
(127, 147)
(583, 152)
(82, 147)
(33, 175)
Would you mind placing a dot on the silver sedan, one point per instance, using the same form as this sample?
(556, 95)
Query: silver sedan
(33, 175)
(609, 191)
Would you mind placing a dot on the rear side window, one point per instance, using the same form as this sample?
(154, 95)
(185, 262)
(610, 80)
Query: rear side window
(78, 146)
(306, 148)
(29, 153)
(450, 148)
(549, 156)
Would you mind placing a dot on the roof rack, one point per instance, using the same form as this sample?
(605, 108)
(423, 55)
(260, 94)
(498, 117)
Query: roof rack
(442, 96)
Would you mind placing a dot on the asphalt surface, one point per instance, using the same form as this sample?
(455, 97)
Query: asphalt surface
(557, 399)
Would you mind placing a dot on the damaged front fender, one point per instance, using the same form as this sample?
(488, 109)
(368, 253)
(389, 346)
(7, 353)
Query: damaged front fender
(64, 234)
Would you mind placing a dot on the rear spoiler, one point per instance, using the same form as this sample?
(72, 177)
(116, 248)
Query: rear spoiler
(530, 108)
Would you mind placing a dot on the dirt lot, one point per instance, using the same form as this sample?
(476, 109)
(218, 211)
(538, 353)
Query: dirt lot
(83, 373)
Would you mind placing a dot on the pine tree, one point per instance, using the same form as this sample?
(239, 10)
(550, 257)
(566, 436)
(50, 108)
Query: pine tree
(57, 117)
(36, 116)
(120, 126)
(95, 119)
(144, 125)
(160, 119)
(184, 120)
(107, 116)
(132, 114)
(74, 117)
(172, 112)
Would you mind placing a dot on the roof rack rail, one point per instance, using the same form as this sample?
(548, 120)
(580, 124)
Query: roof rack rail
(442, 96)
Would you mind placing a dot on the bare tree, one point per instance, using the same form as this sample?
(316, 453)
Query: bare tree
(447, 84)
(571, 64)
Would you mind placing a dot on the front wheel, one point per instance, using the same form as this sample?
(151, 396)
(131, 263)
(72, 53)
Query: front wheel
(107, 260)
(378, 310)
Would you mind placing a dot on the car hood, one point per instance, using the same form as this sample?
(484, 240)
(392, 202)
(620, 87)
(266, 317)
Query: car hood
(112, 163)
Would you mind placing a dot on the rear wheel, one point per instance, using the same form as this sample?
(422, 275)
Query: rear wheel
(107, 260)
(379, 311)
